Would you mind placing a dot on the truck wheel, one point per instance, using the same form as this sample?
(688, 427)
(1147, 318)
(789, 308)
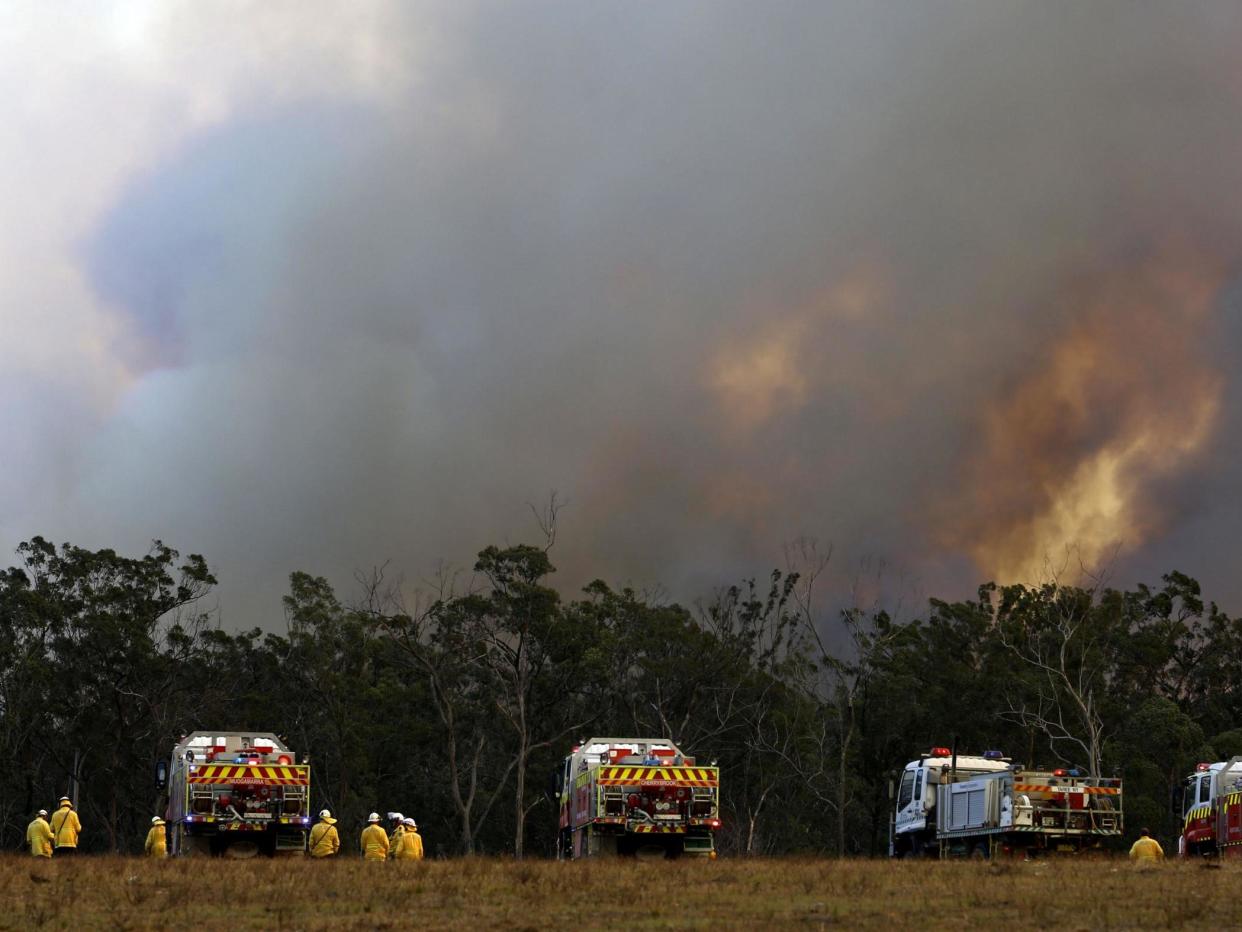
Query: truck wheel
(981, 851)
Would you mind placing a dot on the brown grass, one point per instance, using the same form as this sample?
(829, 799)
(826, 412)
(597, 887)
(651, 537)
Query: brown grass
(129, 893)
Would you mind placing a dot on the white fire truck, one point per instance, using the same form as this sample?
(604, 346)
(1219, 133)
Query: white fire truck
(951, 805)
(636, 796)
(1212, 810)
(235, 793)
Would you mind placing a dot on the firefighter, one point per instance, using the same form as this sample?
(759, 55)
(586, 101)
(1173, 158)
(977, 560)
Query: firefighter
(157, 841)
(374, 839)
(1146, 848)
(39, 836)
(65, 828)
(324, 841)
(411, 842)
(398, 833)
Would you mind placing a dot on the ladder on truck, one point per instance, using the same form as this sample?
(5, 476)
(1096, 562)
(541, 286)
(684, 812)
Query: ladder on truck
(294, 801)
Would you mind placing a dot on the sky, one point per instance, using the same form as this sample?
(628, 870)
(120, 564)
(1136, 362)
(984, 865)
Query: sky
(952, 287)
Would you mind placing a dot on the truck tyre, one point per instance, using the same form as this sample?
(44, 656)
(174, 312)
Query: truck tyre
(981, 851)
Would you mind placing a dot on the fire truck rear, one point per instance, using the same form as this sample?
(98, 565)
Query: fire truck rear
(636, 796)
(1212, 810)
(982, 806)
(236, 793)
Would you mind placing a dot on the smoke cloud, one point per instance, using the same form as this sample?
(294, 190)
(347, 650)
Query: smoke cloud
(320, 286)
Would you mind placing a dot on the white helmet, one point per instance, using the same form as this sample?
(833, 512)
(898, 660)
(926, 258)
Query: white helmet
(395, 816)
(43, 812)
(156, 820)
(410, 822)
(373, 817)
(325, 814)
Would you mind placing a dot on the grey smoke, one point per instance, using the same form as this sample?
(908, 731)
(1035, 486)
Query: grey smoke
(377, 333)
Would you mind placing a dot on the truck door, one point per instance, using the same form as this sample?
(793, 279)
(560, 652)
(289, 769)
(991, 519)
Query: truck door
(905, 800)
(1198, 793)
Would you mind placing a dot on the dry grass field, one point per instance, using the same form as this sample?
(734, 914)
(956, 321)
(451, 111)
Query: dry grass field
(124, 893)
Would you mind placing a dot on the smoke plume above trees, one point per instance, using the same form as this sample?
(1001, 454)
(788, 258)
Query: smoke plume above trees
(319, 286)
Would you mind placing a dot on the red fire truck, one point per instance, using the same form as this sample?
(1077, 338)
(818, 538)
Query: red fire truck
(235, 793)
(1212, 810)
(636, 796)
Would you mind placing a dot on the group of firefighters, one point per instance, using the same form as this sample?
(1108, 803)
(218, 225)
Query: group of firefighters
(404, 844)
(59, 835)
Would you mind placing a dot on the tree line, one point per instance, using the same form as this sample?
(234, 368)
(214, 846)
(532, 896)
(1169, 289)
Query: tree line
(454, 703)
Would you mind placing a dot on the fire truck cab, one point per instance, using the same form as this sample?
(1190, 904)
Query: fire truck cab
(1211, 809)
(914, 822)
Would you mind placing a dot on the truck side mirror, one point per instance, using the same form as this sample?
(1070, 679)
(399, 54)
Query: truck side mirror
(1177, 799)
(552, 789)
(161, 775)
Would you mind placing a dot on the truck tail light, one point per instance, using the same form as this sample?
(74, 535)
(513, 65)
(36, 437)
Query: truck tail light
(284, 759)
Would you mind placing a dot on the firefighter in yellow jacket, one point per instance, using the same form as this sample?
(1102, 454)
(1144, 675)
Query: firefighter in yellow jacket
(1146, 848)
(324, 841)
(411, 842)
(157, 840)
(398, 833)
(65, 828)
(374, 839)
(39, 836)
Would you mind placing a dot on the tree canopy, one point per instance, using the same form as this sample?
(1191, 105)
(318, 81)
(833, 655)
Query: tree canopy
(456, 704)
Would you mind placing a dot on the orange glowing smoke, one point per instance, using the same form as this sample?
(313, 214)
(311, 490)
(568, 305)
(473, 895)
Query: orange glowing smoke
(782, 362)
(1074, 453)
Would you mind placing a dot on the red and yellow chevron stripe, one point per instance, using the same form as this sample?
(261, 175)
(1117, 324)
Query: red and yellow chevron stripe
(659, 776)
(252, 774)
(1089, 790)
(648, 829)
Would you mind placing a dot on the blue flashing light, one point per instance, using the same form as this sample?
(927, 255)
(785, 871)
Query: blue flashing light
(993, 755)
